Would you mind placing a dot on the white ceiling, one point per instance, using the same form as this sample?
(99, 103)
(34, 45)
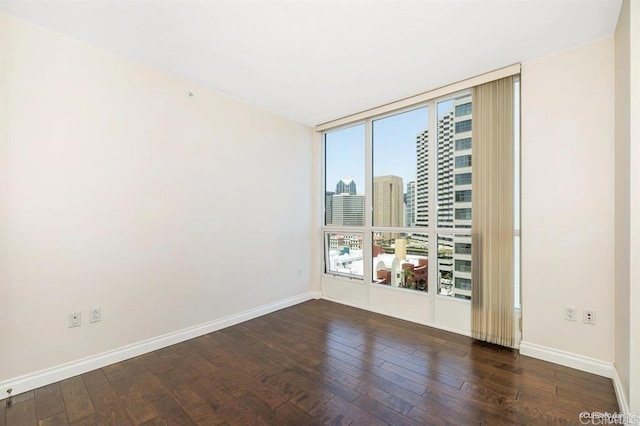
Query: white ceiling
(317, 60)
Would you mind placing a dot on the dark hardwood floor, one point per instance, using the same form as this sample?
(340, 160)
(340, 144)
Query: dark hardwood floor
(320, 363)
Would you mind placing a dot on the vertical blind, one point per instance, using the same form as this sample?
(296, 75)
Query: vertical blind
(492, 317)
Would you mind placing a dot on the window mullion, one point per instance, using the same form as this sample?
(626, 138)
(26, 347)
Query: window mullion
(432, 208)
(368, 199)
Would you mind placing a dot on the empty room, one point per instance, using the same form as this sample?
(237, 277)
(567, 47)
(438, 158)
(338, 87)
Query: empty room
(300, 212)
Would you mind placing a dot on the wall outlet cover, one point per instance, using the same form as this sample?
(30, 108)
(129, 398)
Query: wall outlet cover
(570, 313)
(589, 316)
(95, 314)
(75, 319)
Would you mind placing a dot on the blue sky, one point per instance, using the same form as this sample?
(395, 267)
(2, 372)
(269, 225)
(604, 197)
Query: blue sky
(394, 148)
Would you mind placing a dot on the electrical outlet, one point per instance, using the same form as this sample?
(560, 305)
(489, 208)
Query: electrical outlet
(570, 313)
(95, 314)
(75, 319)
(589, 316)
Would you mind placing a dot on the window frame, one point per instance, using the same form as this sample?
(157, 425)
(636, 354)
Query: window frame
(429, 99)
(327, 229)
(325, 238)
(431, 230)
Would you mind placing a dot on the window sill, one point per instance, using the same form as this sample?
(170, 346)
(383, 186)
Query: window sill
(343, 278)
(401, 289)
(453, 299)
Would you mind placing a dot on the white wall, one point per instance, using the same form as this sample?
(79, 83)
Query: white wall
(120, 191)
(627, 203)
(634, 207)
(568, 198)
(622, 306)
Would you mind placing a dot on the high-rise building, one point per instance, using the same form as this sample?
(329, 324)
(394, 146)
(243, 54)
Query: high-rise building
(444, 197)
(328, 202)
(410, 204)
(347, 210)
(453, 194)
(462, 197)
(422, 180)
(346, 186)
(387, 201)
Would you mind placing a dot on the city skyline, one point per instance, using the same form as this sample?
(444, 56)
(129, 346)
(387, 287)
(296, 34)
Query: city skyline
(394, 147)
(393, 207)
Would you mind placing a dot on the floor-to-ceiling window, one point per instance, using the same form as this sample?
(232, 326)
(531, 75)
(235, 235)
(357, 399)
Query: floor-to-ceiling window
(398, 211)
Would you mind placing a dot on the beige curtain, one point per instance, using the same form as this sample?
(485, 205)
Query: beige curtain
(492, 219)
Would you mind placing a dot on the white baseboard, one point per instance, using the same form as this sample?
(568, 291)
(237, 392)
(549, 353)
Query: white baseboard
(61, 372)
(404, 318)
(620, 395)
(579, 362)
(568, 359)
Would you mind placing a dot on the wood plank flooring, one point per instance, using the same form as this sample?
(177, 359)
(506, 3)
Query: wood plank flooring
(319, 363)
